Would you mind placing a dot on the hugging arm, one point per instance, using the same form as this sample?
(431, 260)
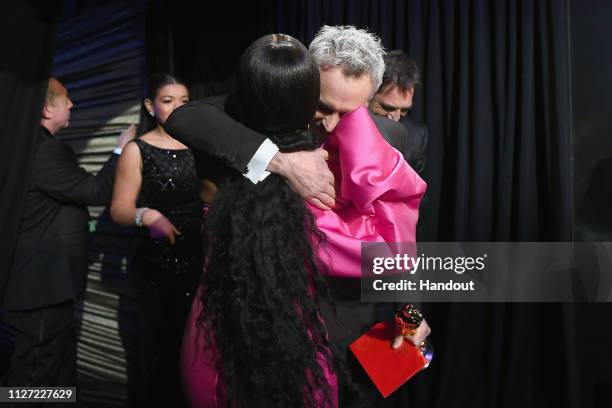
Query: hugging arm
(204, 126)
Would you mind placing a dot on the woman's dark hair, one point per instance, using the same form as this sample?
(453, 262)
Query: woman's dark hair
(278, 85)
(154, 83)
(261, 283)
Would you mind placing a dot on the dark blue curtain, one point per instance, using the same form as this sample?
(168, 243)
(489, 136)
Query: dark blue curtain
(100, 58)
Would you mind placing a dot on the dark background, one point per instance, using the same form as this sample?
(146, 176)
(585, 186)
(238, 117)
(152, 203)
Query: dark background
(516, 98)
(591, 87)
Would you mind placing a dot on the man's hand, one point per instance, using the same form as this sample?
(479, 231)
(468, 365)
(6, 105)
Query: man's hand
(125, 136)
(308, 175)
(421, 334)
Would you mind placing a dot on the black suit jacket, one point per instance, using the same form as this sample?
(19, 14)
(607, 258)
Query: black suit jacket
(215, 136)
(211, 134)
(416, 144)
(51, 257)
(199, 125)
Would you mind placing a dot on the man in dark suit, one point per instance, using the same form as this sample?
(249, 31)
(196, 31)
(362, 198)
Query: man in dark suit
(49, 266)
(351, 67)
(393, 100)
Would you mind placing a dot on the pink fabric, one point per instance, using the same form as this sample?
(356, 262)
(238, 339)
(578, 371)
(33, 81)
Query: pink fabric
(378, 201)
(201, 380)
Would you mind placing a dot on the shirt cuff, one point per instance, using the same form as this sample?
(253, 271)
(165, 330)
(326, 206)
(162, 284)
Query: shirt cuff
(256, 169)
(118, 151)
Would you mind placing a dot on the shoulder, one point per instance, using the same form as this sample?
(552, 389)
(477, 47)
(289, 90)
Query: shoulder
(51, 149)
(132, 148)
(413, 126)
(390, 127)
(53, 157)
(130, 161)
(131, 152)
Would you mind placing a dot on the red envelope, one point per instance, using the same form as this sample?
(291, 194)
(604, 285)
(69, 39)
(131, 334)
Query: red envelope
(386, 367)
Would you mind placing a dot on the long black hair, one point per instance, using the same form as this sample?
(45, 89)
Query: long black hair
(260, 287)
(154, 83)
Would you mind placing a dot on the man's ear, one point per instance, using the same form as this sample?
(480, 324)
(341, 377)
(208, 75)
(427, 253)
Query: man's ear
(46, 113)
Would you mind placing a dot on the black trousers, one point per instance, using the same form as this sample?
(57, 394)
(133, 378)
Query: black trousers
(43, 347)
(347, 318)
(165, 303)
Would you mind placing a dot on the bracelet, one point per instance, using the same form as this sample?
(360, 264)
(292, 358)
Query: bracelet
(138, 217)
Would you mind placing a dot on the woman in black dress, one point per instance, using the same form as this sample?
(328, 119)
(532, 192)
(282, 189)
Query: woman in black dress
(157, 188)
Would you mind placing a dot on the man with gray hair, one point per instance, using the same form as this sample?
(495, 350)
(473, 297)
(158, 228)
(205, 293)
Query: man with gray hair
(351, 65)
(351, 68)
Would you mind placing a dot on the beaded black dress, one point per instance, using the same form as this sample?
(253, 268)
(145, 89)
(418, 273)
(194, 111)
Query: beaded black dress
(167, 275)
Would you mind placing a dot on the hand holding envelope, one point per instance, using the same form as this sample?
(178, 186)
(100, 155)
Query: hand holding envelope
(390, 366)
(410, 324)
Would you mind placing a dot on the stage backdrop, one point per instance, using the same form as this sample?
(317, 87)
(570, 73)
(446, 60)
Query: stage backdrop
(100, 58)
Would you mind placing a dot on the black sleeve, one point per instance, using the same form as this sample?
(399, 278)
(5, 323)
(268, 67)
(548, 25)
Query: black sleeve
(420, 151)
(204, 126)
(416, 145)
(57, 173)
(392, 132)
